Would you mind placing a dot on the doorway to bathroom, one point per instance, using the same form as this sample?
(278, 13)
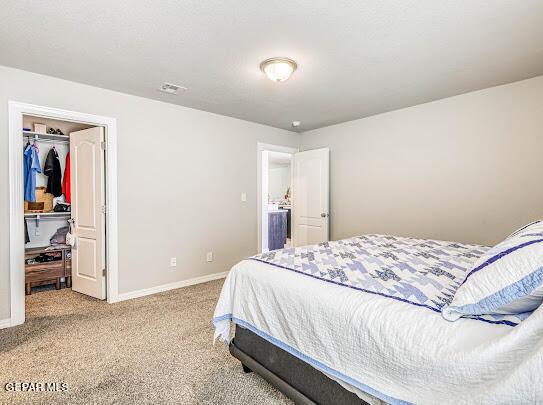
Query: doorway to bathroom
(293, 197)
(277, 205)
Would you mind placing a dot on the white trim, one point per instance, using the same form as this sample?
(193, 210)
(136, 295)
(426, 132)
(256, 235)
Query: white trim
(5, 323)
(171, 286)
(16, 249)
(261, 147)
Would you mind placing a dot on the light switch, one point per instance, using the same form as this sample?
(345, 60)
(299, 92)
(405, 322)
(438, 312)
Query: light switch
(209, 256)
(243, 197)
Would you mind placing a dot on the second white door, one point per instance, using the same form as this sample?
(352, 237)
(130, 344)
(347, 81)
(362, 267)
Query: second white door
(310, 196)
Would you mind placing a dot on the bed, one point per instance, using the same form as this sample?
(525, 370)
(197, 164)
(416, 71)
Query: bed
(359, 321)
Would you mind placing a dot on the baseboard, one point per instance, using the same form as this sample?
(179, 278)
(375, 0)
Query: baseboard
(5, 323)
(171, 286)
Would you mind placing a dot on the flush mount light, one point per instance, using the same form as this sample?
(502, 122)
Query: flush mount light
(278, 69)
(296, 124)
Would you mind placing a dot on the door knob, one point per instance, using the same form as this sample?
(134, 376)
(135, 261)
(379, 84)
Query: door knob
(324, 215)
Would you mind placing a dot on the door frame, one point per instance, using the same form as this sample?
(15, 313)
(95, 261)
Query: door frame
(265, 147)
(16, 199)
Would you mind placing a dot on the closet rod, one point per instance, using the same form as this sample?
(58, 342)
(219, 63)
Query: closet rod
(38, 135)
(47, 214)
(46, 140)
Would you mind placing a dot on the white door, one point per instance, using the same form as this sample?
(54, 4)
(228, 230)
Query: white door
(310, 197)
(87, 186)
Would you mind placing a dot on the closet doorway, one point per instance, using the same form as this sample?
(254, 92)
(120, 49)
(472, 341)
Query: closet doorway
(63, 223)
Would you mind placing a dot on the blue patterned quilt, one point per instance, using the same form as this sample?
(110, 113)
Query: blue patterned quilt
(420, 272)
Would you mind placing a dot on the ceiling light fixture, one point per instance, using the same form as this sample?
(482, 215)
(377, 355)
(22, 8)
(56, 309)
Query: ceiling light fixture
(296, 124)
(278, 69)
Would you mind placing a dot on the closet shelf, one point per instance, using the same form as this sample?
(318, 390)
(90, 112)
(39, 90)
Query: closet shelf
(47, 214)
(46, 249)
(46, 137)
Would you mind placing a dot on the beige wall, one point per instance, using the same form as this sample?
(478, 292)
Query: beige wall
(466, 168)
(181, 174)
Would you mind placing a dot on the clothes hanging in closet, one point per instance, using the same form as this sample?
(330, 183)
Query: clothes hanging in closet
(31, 164)
(54, 173)
(66, 180)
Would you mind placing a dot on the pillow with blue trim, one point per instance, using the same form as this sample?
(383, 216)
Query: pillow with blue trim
(507, 279)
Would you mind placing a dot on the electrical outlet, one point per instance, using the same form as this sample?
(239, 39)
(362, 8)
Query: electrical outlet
(173, 261)
(209, 256)
(243, 197)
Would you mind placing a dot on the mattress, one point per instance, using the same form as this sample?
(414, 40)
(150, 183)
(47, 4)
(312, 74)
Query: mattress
(420, 272)
(373, 344)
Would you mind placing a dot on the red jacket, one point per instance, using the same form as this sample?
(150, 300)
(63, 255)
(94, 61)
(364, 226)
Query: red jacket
(66, 181)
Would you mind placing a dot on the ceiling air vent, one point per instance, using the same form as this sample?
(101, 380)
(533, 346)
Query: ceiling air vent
(170, 88)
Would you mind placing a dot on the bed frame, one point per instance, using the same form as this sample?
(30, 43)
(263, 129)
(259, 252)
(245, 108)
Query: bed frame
(295, 378)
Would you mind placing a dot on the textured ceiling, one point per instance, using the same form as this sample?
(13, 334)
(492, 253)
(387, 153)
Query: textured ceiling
(356, 58)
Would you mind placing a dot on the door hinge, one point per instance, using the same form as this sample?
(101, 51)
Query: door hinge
(104, 209)
(103, 145)
(104, 272)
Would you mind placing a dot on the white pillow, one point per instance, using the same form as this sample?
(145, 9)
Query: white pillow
(507, 279)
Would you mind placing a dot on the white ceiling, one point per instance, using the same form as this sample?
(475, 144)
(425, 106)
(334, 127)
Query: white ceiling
(356, 58)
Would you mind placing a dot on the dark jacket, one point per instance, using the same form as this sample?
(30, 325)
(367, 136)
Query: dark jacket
(52, 170)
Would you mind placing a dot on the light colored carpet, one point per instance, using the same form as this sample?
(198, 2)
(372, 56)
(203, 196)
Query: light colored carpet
(151, 350)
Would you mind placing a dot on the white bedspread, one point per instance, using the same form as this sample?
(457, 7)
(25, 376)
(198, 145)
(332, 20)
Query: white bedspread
(394, 351)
